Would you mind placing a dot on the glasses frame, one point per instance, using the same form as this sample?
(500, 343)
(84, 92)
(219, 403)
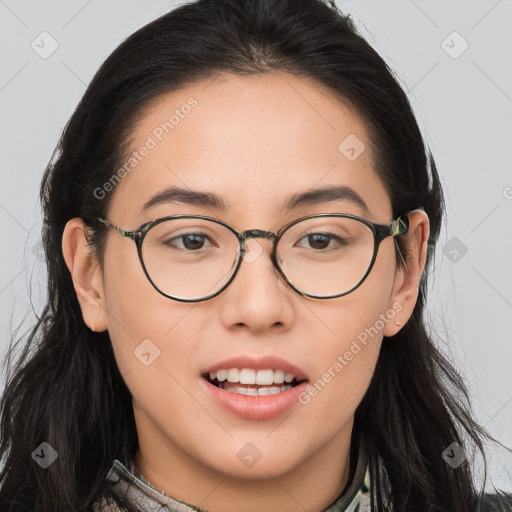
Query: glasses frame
(398, 226)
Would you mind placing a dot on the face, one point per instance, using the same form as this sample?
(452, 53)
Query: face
(254, 142)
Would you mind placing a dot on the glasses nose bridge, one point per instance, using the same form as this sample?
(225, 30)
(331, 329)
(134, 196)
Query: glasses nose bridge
(256, 233)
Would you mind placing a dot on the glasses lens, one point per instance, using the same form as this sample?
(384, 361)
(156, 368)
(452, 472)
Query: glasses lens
(189, 258)
(326, 256)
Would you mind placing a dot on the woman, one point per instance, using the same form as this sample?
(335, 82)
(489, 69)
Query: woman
(259, 343)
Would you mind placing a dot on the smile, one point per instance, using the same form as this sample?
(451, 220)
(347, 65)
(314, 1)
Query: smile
(250, 382)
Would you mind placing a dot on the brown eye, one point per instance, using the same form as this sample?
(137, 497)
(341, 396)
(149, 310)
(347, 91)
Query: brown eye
(190, 242)
(323, 241)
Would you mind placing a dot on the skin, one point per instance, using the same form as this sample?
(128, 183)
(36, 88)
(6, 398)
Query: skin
(254, 141)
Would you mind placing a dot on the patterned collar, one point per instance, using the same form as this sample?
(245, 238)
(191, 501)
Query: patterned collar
(131, 485)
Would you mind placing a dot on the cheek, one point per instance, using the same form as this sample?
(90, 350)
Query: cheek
(152, 336)
(366, 309)
(135, 309)
(342, 372)
(347, 353)
(153, 340)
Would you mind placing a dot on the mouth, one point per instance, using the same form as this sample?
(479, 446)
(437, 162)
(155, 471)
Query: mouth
(251, 382)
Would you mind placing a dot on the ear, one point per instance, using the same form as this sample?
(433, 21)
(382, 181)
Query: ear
(407, 278)
(86, 274)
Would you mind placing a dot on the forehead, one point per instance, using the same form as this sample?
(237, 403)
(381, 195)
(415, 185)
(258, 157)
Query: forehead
(253, 140)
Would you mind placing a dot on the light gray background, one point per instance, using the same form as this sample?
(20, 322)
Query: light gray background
(463, 104)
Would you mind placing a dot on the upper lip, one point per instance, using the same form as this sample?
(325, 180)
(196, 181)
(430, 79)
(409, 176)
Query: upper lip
(258, 363)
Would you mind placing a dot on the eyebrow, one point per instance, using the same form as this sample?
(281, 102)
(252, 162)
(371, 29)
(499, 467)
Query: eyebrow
(312, 197)
(186, 196)
(326, 195)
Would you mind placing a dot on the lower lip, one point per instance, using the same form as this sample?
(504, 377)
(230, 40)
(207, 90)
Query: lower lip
(255, 407)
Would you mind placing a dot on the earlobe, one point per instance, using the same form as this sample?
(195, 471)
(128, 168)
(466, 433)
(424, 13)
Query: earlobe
(407, 279)
(86, 274)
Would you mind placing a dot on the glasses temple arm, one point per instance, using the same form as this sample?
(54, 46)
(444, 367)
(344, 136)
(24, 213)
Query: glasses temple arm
(122, 232)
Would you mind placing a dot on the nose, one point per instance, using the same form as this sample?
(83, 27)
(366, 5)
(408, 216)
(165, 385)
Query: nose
(258, 299)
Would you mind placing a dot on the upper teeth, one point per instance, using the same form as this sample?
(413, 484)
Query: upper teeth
(249, 376)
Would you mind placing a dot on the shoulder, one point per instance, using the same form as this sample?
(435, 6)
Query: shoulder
(501, 502)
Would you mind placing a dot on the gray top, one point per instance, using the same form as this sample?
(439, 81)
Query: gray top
(129, 483)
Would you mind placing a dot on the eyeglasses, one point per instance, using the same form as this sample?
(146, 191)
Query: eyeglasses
(192, 258)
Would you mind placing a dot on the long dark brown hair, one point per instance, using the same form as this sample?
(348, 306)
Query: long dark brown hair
(65, 388)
